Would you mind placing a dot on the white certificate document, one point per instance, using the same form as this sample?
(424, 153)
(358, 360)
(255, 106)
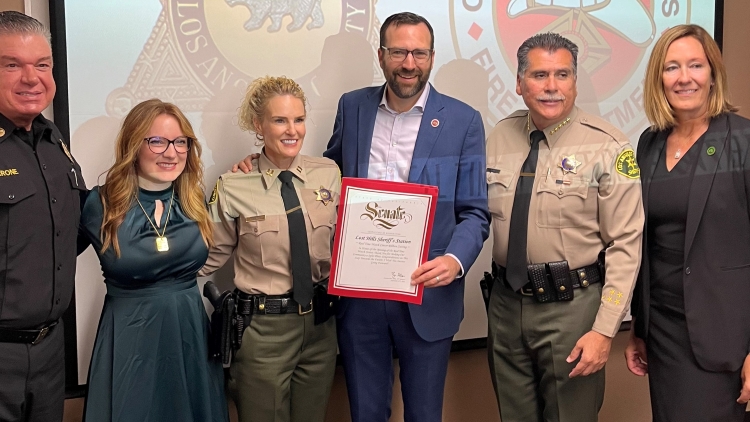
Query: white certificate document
(382, 236)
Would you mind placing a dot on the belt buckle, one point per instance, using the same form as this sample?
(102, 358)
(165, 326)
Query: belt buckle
(527, 289)
(42, 334)
(303, 312)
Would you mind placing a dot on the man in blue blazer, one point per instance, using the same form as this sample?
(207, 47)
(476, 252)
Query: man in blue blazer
(406, 131)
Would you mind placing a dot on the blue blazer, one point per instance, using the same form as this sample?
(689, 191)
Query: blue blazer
(450, 156)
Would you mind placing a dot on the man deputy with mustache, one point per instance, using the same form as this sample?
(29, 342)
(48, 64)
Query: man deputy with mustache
(567, 220)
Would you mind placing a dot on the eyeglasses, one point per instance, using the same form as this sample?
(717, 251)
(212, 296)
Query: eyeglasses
(399, 54)
(159, 145)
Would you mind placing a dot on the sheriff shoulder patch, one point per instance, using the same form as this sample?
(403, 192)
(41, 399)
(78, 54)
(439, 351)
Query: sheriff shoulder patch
(214, 194)
(626, 165)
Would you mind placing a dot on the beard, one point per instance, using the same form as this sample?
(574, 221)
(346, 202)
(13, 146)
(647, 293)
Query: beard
(402, 91)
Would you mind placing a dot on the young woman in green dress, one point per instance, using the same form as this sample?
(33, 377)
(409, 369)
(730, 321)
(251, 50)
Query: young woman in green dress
(150, 228)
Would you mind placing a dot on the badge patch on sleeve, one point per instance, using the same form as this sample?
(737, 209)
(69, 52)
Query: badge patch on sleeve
(626, 165)
(214, 194)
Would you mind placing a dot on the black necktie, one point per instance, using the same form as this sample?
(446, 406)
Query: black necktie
(302, 287)
(516, 273)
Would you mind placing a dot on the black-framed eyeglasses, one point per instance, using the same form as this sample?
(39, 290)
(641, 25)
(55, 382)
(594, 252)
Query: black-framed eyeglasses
(159, 145)
(399, 54)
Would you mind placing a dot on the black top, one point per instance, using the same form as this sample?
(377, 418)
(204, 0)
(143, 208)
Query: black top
(667, 219)
(40, 205)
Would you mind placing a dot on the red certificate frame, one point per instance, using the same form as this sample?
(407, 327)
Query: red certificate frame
(376, 248)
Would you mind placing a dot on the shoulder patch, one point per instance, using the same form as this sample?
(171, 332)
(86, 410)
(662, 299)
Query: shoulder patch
(214, 194)
(627, 166)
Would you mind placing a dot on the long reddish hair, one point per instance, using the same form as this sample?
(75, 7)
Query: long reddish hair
(119, 192)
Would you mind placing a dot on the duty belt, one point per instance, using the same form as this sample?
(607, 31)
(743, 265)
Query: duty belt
(554, 281)
(25, 336)
(269, 304)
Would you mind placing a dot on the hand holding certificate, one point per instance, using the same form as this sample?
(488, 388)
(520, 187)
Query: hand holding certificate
(382, 236)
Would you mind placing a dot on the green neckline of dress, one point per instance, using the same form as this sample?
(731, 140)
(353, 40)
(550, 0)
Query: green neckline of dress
(149, 195)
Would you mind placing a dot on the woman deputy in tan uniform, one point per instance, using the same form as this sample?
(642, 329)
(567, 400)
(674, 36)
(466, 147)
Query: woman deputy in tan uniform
(278, 220)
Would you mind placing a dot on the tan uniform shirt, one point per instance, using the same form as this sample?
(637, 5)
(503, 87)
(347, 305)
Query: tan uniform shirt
(574, 214)
(250, 220)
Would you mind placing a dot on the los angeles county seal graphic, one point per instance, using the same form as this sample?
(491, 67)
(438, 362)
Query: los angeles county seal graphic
(614, 38)
(199, 47)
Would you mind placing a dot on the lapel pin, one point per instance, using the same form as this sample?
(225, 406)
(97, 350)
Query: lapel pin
(435, 122)
(2, 132)
(269, 172)
(711, 151)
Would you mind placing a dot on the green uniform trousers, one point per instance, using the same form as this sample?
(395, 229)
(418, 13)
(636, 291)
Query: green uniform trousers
(528, 345)
(284, 370)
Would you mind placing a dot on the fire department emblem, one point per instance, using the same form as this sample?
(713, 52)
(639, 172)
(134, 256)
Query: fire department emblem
(614, 38)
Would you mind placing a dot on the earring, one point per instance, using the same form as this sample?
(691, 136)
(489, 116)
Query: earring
(258, 136)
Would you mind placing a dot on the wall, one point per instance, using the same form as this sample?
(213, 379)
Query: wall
(736, 37)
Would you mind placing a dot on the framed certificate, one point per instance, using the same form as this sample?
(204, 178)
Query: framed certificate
(382, 235)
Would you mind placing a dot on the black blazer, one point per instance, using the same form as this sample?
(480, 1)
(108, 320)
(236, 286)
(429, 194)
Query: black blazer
(716, 273)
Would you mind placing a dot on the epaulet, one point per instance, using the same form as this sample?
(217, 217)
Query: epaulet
(318, 162)
(240, 174)
(600, 124)
(516, 114)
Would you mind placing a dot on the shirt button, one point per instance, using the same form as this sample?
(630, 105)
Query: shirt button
(687, 270)
(57, 302)
(59, 267)
(11, 196)
(54, 200)
(44, 167)
(58, 233)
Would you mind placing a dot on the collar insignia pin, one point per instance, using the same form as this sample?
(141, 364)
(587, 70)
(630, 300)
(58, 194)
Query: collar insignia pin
(435, 122)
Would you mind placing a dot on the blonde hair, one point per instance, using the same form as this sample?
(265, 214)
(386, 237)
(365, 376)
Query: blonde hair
(119, 191)
(259, 93)
(658, 110)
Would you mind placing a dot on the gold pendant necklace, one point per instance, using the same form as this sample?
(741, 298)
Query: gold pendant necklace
(162, 245)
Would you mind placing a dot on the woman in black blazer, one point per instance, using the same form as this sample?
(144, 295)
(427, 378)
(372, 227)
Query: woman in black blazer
(691, 308)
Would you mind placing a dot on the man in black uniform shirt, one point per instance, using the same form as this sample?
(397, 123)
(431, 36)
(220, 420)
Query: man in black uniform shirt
(40, 189)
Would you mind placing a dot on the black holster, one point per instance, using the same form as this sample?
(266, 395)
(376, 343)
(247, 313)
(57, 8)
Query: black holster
(485, 284)
(324, 305)
(220, 341)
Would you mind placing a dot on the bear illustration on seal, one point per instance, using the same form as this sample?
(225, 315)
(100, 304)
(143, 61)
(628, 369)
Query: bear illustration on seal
(300, 11)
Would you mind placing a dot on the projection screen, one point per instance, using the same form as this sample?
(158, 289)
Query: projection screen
(202, 54)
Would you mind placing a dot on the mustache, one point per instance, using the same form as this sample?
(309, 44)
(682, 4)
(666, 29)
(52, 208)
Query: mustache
(405, 73)
(558, 97)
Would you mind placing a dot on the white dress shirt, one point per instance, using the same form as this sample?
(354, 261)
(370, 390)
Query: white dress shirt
(393, 140)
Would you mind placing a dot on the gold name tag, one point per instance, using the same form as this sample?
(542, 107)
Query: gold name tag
(256, 218)
(8, 172)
